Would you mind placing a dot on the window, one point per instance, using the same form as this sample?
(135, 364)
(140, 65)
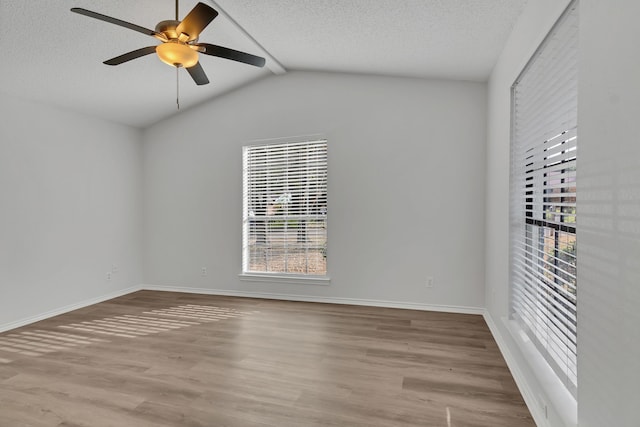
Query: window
(543, 198)
(285, 208)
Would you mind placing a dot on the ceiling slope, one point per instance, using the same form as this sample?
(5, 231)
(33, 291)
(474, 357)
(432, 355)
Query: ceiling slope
(56, 56)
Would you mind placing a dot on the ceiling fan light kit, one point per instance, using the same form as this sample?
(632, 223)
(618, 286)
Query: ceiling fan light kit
(177, 54)
(179, 45)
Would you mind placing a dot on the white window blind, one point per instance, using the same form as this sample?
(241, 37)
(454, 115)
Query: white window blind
(543, 197)
(285, 208)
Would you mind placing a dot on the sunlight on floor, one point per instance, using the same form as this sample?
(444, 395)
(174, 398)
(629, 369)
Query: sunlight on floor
(128, 326)
(39, 342)
(199, 312)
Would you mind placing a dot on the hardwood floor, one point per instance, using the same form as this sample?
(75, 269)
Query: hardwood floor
(170, 359)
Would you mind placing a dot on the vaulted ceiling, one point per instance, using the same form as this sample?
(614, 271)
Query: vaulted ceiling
(53, 56)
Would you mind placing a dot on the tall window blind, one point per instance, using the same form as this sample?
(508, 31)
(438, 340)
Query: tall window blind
(285, 208)
(543, 197)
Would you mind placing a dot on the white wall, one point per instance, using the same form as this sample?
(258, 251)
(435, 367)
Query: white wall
(406, 186)
(69, 209)
(608, 209)
(609, 215)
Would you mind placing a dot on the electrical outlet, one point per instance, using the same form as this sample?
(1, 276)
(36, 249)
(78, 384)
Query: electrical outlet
(429, 282)
(114, 268)
(203, 271)
(109, 275)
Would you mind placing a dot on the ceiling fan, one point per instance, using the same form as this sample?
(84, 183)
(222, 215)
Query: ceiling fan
(179, 47)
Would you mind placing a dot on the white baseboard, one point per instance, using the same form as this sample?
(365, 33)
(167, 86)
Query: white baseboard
(67, 308)
(528, 395)
(327, 300)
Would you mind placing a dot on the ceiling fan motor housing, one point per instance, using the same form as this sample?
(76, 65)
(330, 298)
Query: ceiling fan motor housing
(168, 28)
(175, 51)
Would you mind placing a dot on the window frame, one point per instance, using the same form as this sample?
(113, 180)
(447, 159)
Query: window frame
(313, 142)
(542, 184)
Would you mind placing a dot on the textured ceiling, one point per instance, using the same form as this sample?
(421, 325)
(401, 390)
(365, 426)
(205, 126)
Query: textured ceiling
(54, 56)
(456, 39)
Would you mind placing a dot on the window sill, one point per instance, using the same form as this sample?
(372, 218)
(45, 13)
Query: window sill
(562, 400)
(282, 278)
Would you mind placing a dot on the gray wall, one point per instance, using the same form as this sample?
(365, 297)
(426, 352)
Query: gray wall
(608, 209)
(69, 209)
(406, 187)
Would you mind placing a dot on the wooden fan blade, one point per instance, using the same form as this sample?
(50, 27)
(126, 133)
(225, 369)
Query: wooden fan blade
(130, 55)
(234, 55)
(196, 20)
(198, 75)
(111, 20)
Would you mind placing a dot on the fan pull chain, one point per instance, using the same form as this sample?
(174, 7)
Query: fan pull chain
(177, 72)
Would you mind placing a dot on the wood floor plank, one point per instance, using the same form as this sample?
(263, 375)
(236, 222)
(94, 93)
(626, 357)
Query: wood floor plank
(176, 359)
